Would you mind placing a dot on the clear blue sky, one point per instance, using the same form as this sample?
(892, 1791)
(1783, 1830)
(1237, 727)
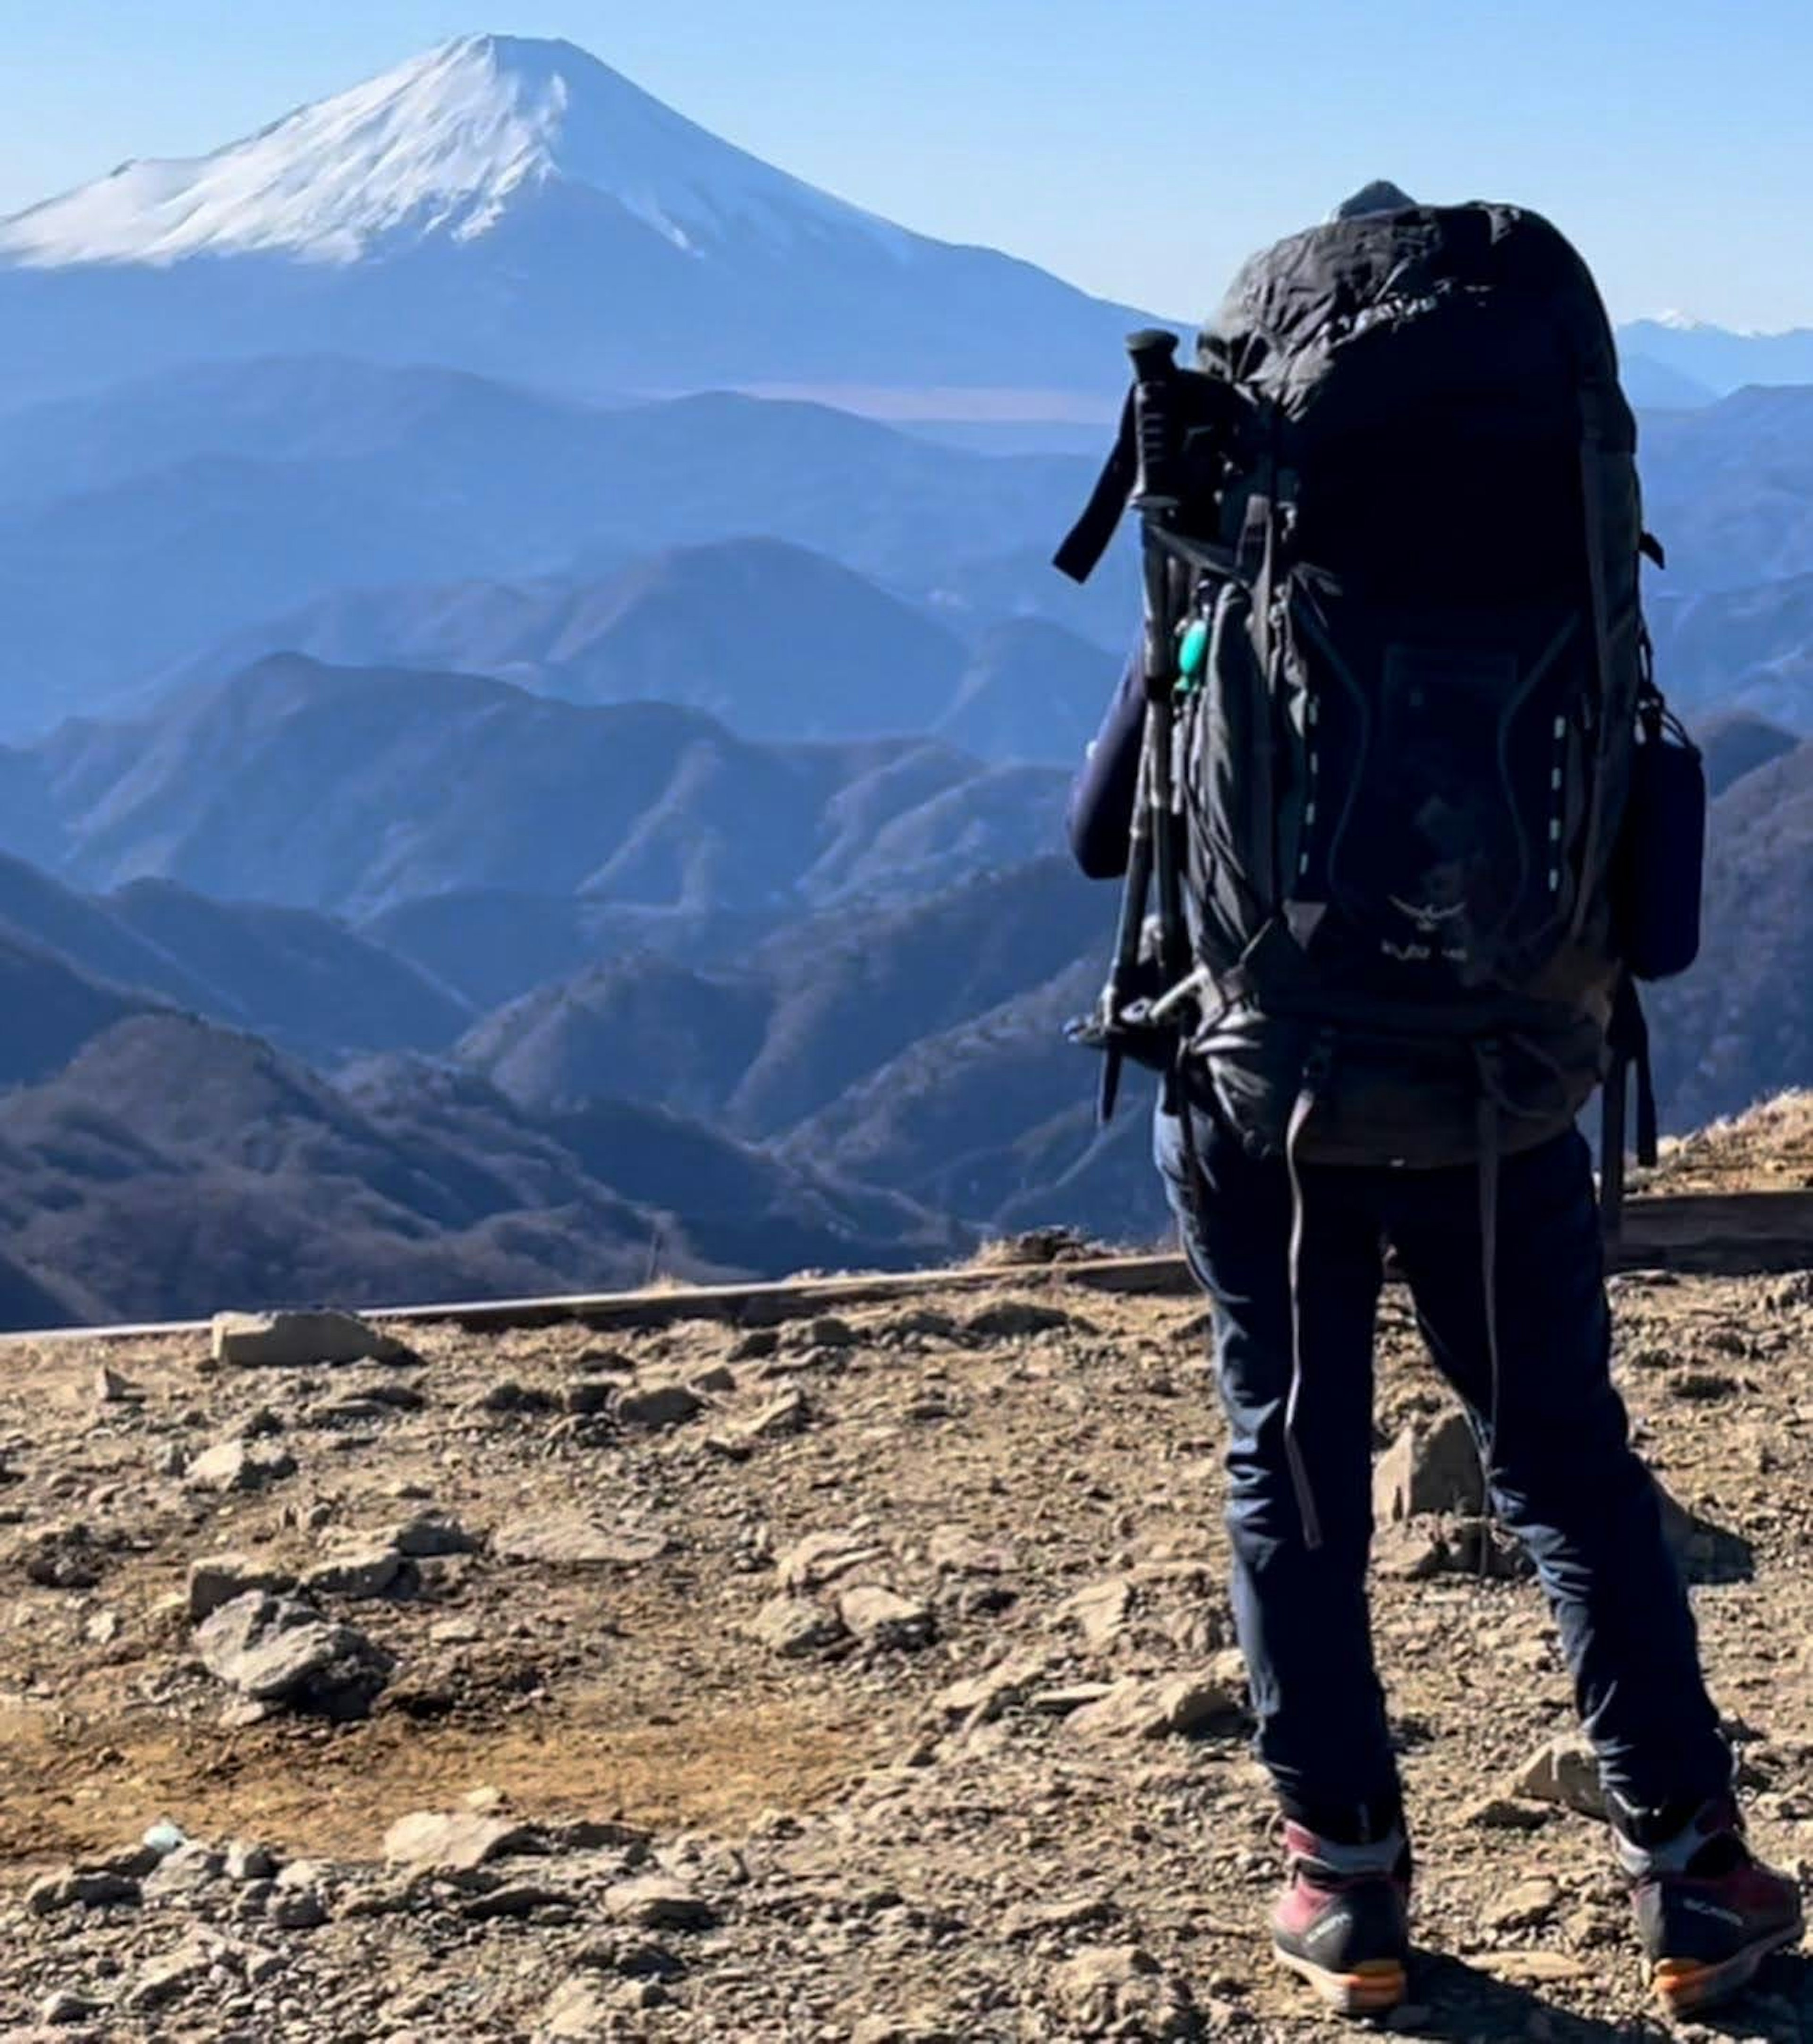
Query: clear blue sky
(1137, 147)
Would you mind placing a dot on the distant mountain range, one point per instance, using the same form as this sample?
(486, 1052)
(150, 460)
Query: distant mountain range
(1714, 360)
(518, 208)
(354, 790)
(172, 531)
(753, 1088)
(161, 534)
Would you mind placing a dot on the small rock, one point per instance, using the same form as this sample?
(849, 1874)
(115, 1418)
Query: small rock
(1536, 1967)
(456, 1841)
(794, 1626)
(590, 1396)
(577, 2009)
(565, 1540)
(273, 1650)
(1522, 1907)
(980, 1699)
(92, 1887)
(1564, 1772)
(431, 1536)
(823, 1557)
(1138, 1708)
(714, 1382)
(296, 1340)
(880, 1618)
(373, 1570)
(169, 1979)
(510, 1397)
(1015, 1319)
(1101, 1611)
(65, 1558)
(1120, 1991)
(236, 1465)
(183, 1873)
(1704, 1386)
(245, 1863)
(656, 1406)
(790, 1413)
(513, 1901)
(301, 1908)
(1038, 1919)
(66, 2006)
(757, 1346)
(656, 1902)
(112, 1388)
(1429, 1469)
(215, 1579)
(1500, 1813)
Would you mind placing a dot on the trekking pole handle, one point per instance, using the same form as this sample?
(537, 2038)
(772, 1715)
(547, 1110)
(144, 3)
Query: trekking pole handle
(1154, 353)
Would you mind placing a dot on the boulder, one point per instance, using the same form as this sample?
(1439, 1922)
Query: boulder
(456, 1841)
(658, 1902)
(238, 1465)
(277, 1651)
(880, 1618)
(296, 1340)
(1429, 1469)
(1152, 1709)
(794, 1625)
(1564, 1772)
(215, 1579)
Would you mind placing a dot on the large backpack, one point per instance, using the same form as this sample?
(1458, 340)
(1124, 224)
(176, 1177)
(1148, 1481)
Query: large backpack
(1406, 725)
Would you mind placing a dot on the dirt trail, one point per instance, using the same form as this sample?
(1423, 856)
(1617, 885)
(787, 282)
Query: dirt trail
(1019, 1494)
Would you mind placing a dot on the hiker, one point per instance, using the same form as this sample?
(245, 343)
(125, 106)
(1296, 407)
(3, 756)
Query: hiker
(1410, 676)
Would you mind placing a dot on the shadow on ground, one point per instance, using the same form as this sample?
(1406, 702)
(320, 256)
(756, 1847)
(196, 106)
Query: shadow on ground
(1458, 2004)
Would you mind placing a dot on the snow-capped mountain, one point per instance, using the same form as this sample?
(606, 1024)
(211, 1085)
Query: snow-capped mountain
(443, 146)
(517, 207)
(1717, 359)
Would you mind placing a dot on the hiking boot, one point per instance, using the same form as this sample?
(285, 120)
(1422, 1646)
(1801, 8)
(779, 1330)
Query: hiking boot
(1343, 1920)
(1709, 1910)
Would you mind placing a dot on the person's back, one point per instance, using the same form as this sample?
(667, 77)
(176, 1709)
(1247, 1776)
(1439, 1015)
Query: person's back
(1404, 734)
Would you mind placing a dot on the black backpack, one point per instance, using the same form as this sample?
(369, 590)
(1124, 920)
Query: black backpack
(1405, 693)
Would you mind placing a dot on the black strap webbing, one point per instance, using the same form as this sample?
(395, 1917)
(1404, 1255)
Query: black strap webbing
(1093, 534)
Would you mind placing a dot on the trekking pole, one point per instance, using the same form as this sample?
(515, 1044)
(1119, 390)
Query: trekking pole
(1154, 353)
(1156, 499)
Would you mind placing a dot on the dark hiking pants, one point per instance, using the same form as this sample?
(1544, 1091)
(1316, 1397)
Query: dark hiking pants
(1564, 1476)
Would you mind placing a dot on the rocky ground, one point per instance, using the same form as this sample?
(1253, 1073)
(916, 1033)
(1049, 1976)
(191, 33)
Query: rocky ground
(864, 1680)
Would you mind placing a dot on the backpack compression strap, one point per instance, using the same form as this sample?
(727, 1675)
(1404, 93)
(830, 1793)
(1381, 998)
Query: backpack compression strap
(1091, 537)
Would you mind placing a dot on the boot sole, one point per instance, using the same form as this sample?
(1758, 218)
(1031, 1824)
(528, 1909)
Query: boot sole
(1686, 1987)
(1374, 1988)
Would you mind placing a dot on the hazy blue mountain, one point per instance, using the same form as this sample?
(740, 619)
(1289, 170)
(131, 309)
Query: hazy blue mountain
(53, 1008)
(1656, 386)
(303, 980)
(1749, 648)
(1716, 359)
(1730, 489)
(130, 579)
(1734, 743)
(1032, 691)
(353, 790)
(773, 640)
(516, 207)
(1740, 1025)
(170, 1168)
(282, 407)
(764, 1040)
(974, 595)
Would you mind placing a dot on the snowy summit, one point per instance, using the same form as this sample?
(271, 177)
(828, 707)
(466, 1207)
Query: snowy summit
(442, 148)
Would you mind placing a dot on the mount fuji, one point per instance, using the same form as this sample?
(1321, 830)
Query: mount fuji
(516, 208)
